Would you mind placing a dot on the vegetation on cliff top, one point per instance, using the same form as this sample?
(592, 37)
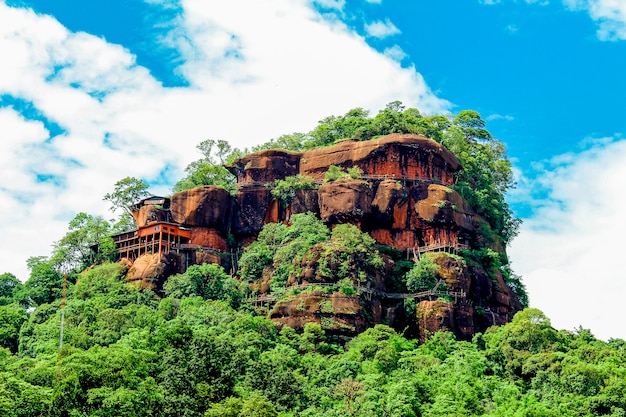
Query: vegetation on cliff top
(484, 180)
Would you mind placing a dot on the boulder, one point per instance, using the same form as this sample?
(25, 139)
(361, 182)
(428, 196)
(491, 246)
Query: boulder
(207, 206)
(151, 270)
(338, 314)
(305, 201)
(345, 200)
(453, 271)
(207, 237)
(434, 316)
(250, 210)
(443, 205)
(150, 214)
(389, 205)
(265, 166)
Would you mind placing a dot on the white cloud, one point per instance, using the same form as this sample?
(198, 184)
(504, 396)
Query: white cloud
(330, 4)
(395, 52)
(570, 252)
(496, 116)
(512, 29)
(374, 1)
(381, 30)
(276, 68)
(609, 14)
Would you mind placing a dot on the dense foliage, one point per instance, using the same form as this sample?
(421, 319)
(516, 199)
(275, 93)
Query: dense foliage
(285, 190)
(129, 353)
(209, 170)
(280, 249)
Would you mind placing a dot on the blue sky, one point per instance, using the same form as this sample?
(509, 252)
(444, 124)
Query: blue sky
(94, 91)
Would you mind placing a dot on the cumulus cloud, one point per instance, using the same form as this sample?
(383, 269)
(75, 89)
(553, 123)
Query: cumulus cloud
(252, 76)
(570, 250)
(381, 30)
(609, 14)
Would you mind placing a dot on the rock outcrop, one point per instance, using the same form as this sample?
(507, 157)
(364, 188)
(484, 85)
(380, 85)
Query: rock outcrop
(345, 200)
(337, 313)
(207, 206)
(404, 200)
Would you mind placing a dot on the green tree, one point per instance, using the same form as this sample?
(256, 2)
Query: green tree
(274, 375)
(230, 407)
(45, 283)
(335, 128)
(208, 281)
(424, 275)
(126, 192)
(486, 173)
(285, 190)
(9, 287)
(289, 142)
(209, 169)
(87, 242)
(12, 317)
(258, 406)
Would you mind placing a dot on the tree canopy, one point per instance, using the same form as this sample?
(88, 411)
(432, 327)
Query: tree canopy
(127, 352)
(126, 193)
(209, 170)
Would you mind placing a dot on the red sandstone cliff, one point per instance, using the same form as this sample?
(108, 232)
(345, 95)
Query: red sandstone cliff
(403, 200)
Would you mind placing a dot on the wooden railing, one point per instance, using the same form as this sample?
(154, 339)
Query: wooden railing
(429, 294)
(401, 178)
(447, 247)
(255, 185)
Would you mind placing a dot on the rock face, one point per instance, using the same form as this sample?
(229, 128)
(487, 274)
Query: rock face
(404, 200)
(207, 206)
(265, 166)
(345, 200)
(151, 271)
(150, 214)
(337, 313)
(397, 155)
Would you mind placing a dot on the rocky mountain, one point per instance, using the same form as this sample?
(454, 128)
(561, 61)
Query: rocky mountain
(403, 198)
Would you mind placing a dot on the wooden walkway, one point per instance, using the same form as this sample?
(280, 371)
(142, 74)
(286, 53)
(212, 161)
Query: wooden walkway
(401, 178)
(446, 247)
(369, 292)
(256, 185)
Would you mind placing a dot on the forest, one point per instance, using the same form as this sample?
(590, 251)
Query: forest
(198, 348)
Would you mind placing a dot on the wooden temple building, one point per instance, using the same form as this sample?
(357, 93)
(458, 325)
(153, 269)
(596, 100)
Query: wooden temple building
(159, 237)
(156, 234)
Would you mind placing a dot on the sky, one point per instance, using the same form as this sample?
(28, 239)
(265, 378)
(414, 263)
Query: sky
(92, 92)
